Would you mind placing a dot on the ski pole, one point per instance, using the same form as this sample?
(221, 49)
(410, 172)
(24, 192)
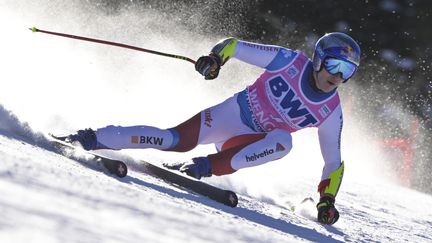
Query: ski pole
(34, 29)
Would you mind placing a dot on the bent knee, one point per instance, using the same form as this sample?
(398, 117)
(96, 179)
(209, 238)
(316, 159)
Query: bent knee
(181, 143)
(186, 134)
(283, 140)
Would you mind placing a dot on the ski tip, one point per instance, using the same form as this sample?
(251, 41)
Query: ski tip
(33, 29)
(231, 199)
(121, 170)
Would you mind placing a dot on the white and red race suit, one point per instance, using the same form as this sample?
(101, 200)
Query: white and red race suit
(254, 126)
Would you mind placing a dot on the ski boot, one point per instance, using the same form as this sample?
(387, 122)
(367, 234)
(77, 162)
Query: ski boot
(197, 168)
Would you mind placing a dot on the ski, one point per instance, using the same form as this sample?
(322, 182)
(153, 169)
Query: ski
(217, 194)
(119, 168)
(115, 167)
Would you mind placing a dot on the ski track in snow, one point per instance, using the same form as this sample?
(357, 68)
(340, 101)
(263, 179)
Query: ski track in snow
(47, 197)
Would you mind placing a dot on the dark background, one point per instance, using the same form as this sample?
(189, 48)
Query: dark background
(395, 76)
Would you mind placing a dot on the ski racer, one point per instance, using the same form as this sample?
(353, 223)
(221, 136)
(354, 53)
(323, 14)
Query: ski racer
(254, 126)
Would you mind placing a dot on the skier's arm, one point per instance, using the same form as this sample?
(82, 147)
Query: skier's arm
(264, 56)
(269, 57)
(329, 137)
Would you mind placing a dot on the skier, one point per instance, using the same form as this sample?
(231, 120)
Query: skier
(254, 126)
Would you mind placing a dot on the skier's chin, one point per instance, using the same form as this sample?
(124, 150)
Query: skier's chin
(327, 87)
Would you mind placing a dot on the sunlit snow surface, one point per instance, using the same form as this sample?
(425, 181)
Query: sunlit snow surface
(58, 85)
(46, 197)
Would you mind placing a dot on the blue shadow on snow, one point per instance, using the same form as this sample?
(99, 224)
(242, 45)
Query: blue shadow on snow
(250, 215)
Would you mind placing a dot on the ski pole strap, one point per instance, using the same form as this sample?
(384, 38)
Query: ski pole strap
(34, 29)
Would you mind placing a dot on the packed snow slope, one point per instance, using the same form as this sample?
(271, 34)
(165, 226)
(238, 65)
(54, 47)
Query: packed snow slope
(56, 85)
(47, 197)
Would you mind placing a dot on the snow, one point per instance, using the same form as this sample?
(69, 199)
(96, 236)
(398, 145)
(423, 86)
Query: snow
(393, 58)
(51, 84)
(47, 197)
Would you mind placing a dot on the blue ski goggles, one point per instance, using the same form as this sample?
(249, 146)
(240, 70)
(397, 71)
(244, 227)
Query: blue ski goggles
(335, 66)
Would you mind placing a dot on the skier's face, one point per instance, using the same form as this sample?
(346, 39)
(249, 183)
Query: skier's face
(327, 82)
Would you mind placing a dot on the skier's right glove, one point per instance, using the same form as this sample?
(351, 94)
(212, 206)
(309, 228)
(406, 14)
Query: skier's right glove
(327, 213)
(208, 66)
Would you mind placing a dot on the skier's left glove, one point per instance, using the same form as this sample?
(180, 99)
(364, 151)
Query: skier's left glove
(208, 66)
(327, 213)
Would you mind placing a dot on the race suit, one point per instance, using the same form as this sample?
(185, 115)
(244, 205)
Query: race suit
(254, 126)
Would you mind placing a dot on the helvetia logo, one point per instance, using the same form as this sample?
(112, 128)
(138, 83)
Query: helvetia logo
(279, 147)
(254, 156)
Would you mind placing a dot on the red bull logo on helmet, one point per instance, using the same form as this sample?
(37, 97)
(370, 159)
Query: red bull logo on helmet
(348, 52)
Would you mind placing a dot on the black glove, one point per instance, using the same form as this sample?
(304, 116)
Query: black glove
(208, 66)
(327, 213)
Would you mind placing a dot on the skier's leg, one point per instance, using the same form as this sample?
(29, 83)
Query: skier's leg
(240, 152)
(117, 137)
(250, 150)
(212, 125)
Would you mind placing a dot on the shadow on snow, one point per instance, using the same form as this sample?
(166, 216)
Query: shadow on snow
(250, 215)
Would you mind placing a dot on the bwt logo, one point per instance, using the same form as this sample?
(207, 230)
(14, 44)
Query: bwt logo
(254, 156)
(290, 102)
(146, 140)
